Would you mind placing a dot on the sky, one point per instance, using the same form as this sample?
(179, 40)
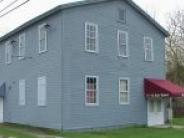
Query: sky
(159, 9)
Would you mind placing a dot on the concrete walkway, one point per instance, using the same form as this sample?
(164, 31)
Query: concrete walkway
(169, 126)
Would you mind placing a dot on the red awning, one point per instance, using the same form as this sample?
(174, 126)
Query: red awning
(162, 88)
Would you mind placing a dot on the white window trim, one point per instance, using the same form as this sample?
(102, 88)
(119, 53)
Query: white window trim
(127, 43)
(97, 38)
(20, 102)
(41, 105)
(24, 35)
(97, 93)
(124, 103)
(46, 39)
(7, 46)
(152, 50)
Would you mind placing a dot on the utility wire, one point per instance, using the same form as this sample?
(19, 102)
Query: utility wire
(9, 5)
(6, 13)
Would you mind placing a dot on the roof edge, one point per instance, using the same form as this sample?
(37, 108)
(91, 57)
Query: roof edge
(80, 3)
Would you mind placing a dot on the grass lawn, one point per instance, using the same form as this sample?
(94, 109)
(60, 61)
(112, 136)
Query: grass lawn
(130, 133)
(18, 131)
(178, 121)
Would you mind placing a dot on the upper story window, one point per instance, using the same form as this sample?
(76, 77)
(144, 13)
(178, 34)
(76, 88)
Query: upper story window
(22, 92)
(42, 38)
(148, 49)
(22, 46)
(91, 92)
(91, 37)
(123, 43)
(8, 53)
(122, 15)
(124, 91)
(42, 91)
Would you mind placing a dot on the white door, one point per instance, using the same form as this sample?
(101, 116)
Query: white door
(155, 112)
(1, 110)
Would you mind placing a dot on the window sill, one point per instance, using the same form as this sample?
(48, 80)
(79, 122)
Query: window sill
(122, 22)
(22, 58)
(123, 56)
(91, 105)
(124, 103)
(149, 61)
(42, 106)
(8, 63)
(42, 52)
(92, 52)
(22, 105)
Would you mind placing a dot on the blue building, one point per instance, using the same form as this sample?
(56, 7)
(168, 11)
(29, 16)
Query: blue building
(82, 65)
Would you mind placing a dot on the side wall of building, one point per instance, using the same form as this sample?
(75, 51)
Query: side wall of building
(46, 64)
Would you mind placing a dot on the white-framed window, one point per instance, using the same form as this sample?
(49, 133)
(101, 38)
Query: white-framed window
(42, 91)
(22, 46)
(155, 105)
(148, 49)
(8, 53)
(22, 92)
(91, 37)
(91, 90)
(124, 90)
(123, 43)
(42, 38)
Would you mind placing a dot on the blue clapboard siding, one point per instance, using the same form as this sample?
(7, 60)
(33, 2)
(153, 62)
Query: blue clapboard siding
(66, 64)
(108, 66)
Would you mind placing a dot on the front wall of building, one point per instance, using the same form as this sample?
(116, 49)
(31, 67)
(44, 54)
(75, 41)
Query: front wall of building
(108, 66)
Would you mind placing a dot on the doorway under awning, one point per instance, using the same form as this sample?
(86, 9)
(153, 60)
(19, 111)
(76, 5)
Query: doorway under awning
(159, 94)
(162, 88)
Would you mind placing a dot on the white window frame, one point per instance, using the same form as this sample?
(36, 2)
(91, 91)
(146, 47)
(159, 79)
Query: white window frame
(39, 37)
(22, 92)
(127, 43)
(128, 80)
(24, 46)
(97, 38)
(97, 91)
(8, 48)
(152, 50)
(38, 92)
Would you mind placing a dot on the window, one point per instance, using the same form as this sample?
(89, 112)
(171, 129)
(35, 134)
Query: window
(122, 15)
(22, 47)
(8, 53)
(151, 106)
(91, 37)
(42, 39)
(42, 88)
(91, 94)
(148, 47)
(124, 91)
(123, 43)
(159, 103)
(22, 98)
(155, 106)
